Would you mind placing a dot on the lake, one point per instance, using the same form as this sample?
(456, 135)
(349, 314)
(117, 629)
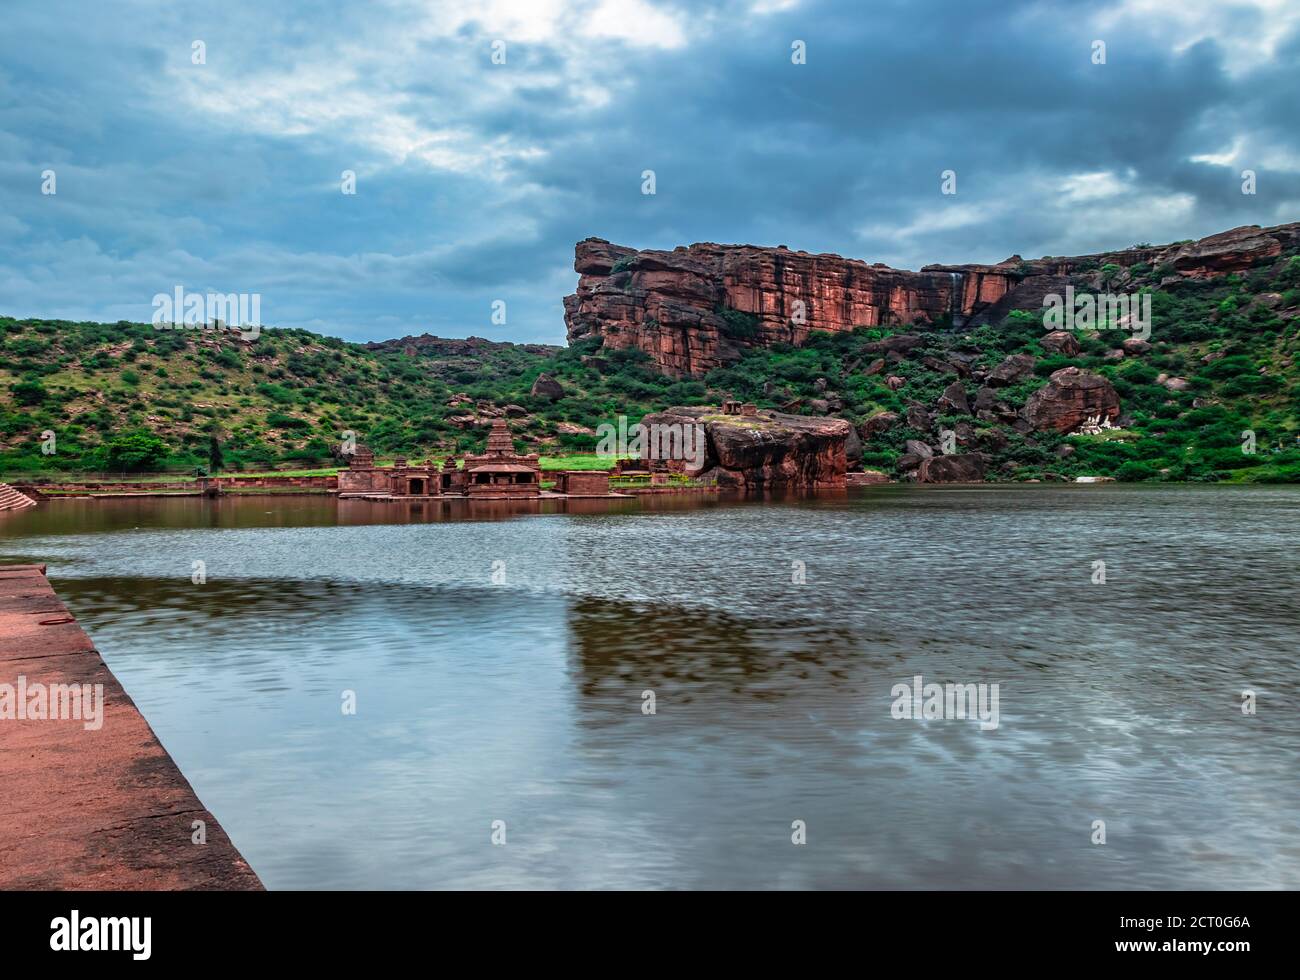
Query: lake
(503, 660)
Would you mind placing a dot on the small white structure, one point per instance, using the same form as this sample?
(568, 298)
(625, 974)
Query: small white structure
(1095, 426)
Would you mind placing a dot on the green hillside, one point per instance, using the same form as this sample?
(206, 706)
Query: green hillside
(125, 396)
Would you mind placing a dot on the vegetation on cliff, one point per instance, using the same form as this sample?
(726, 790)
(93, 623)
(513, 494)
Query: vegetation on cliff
(124, 396)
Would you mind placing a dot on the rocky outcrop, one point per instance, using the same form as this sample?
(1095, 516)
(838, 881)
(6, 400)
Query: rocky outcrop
(768, 450)
(696, 308)
(954, 399)
(547, 387)
(1229, 251)
(957, 468)
(693, 309)
(1061, 342)
(1071, 397)
(1135, 345)
(1015, 368)
(880, 422)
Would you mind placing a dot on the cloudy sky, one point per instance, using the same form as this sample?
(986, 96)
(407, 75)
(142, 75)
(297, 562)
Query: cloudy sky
(475, 179)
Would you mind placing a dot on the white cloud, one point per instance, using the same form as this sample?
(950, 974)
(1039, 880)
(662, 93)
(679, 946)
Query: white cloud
(358, 89)
(942, 217)
(1092, 187)
(1248, 30)
(1221, 159)
(635, 22)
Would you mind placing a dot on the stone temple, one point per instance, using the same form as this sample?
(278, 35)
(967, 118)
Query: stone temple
(498, 473)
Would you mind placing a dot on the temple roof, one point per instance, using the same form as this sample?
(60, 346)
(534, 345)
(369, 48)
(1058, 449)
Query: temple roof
(502, 468)
(499, 442)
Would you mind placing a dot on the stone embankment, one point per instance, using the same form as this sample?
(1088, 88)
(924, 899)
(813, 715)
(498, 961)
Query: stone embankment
(90, 799)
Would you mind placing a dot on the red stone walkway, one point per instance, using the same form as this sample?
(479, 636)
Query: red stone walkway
(90, 809)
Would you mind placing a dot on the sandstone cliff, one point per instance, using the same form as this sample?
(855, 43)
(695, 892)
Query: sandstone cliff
(694, 308)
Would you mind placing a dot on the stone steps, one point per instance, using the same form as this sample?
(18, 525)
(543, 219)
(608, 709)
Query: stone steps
(11, 499)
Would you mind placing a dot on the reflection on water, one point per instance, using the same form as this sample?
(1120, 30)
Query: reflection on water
(521, 700)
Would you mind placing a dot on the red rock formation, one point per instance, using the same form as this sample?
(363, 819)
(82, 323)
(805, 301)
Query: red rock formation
(695, 308)
(1071, 397)
(766, 450)
(692, 309)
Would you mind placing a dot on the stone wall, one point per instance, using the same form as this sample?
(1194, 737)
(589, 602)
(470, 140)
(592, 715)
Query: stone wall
(322, 483)
(582, 482)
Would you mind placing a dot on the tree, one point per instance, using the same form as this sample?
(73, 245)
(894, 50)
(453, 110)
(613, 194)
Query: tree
(215, 460)
(135, 452)
(29, 392)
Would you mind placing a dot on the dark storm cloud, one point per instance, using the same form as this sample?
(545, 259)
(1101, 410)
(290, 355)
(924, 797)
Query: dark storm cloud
(475, 180)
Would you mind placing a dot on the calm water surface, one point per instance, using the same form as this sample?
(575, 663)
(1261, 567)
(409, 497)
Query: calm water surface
(521, 701)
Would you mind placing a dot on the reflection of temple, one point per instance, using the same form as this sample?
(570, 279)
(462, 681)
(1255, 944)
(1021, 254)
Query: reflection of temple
(499, 472)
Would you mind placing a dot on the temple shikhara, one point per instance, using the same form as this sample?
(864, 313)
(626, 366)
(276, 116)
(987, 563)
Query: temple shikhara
(497, 473)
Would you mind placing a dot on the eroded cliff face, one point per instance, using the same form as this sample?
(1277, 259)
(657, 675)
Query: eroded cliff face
(695, 308)
(692, 309)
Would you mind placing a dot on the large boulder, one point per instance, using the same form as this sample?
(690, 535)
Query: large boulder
(1230, 251)
(547, 387)
(1012, 369)
(917, 417)
(853, 447)
(1071, 397)
(1060, 342)
(1135, 345)
(957, 468)
(986, 400)
(953, 399)
(766, 450)
(876, 424)
(900, 343)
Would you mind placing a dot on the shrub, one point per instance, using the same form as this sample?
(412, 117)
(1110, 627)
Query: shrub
(29, 392)
(134, 452)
